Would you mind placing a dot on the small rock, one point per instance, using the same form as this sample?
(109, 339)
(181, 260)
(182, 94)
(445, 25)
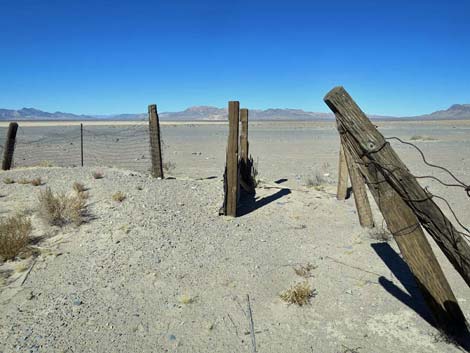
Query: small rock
(77, 302)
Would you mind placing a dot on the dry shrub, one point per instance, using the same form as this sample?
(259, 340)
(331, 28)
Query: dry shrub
(168, 166)
(14, 235)
(60, 209)
(119, 196)
(8, 181)
(380, 234)
(36, 182)
(304, 270)
(299, 294)
(23, 181)
(98, 175)
(79, 187)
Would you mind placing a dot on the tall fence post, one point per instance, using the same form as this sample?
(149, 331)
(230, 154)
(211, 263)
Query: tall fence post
(9, 149)
(231, 172)
(342, 189)
(81, 143)
(155, 143)
(358, 185)
(376, 156)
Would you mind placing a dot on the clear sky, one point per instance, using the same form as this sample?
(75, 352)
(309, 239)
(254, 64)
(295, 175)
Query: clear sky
(89, 56)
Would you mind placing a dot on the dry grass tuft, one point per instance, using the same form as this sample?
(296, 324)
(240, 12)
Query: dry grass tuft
(168, 166)
(8, 181)
(119, 196)
(79, 187)
(304, 270)
(60, 209)
(299, 294)
(14, 235)
(98, 175)
(23, 181)
(380, 234)
(36, 182)
(186, 299)
(318, 181)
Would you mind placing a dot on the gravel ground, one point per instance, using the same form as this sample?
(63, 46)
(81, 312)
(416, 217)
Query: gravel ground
(162, 272)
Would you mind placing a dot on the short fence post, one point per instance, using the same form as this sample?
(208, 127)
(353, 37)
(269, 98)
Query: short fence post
(369, 147)
(231, 172)
(364, 211)
(81, 143)
(155, 144)
(342, 190)
(9, 146)
(245, 163)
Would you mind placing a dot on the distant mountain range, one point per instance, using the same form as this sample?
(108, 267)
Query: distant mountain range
(207, 113)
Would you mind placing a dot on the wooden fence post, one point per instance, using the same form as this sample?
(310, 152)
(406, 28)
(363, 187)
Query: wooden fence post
(9, 149)
(342, 190)
(375, 157)
(244, 136)
(231, 173)
(81, 143)
(361, 200)
(155, 143)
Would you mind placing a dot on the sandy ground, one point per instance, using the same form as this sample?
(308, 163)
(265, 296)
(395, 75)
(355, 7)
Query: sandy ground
(122, 282)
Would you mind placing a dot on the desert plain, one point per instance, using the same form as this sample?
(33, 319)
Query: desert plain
(161, 271)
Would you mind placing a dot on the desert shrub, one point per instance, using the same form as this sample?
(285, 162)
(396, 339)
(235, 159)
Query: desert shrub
(14, 235)
(98, 175)
(316, 181)
(23, 181)
(168, 166)
(60, 209)
(119, 196)
(299, 294)
(79, 187)
(36, 182)
(304, 270)
(422, 138)
(8, 181)
(380, 234)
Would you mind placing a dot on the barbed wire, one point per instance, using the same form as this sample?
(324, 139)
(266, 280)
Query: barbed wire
(390, 173)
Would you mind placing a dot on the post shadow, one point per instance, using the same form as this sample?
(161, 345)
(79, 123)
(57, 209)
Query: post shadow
(249, 202)
(457, 334)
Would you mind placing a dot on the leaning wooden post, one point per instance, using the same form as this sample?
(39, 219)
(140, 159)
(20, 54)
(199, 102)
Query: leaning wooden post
(232, 181)
(342, 189)
(9, 146)
(155, 143)
(375, 158)
(364, 211)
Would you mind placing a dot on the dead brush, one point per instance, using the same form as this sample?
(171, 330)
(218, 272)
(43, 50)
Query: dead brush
(119, 196)
(380, 234)
(14, 235)
(304, 270)
(8, 181)
(168, 166)
(79, 187)
(299, 294)
(97, 175)
(23, 181)
(61, 209)
(36, 182)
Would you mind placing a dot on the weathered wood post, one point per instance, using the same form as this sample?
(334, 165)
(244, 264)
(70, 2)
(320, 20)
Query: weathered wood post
(244, 136)
(9, 149)
(231, 176)
(342, 189)
(393, 189)
(81, 143)
(155, 143)
(361, 200)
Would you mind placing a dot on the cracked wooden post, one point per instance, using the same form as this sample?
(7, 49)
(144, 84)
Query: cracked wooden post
(231, 167)
(244, 137)
(361, 200)
(155, 143)
(342, 189)
(9, 148)
(397, 192)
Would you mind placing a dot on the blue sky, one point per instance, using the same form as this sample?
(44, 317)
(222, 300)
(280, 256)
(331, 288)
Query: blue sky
(90, 56)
